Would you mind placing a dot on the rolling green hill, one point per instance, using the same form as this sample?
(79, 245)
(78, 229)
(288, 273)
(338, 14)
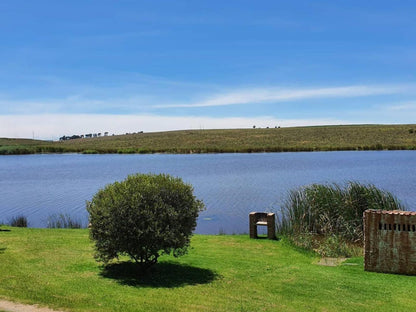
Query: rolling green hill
(318, 138)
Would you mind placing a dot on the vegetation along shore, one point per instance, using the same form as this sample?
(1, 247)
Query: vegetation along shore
(291, 139)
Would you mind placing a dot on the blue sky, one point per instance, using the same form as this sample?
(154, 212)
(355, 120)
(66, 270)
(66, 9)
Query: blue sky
(73, 67)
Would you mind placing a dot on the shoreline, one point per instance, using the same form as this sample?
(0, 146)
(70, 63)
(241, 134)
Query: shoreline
(264, 140)
(190, 152)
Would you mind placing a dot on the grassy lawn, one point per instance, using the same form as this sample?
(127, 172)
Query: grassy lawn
(321, 138)
(55, 267)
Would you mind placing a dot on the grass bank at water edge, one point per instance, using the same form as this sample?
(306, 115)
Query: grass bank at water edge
(55, 267)
(294, 139)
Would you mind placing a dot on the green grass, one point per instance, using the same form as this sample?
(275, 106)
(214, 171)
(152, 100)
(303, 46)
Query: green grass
(322, 138)
(55, 267)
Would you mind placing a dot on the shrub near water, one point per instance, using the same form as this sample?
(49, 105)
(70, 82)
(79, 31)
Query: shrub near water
(19, 221)
(62, 221)
(328, 218)
(143, 217)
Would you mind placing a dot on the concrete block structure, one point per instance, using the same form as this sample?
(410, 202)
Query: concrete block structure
(390, 241)
(262, 219)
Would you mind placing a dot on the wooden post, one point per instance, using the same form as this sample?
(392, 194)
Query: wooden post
(271, 227)
(253, 225)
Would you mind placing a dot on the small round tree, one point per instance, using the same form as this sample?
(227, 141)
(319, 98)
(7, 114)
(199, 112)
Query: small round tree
(143, 217)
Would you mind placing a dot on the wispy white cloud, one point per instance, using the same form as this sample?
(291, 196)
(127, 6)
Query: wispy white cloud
(76, 103)
(405, 106)
(143, 98)
(264, 95)
(52, 126)
(129, 102)
(129, 93)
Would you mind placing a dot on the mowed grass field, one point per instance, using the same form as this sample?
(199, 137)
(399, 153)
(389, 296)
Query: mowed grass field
(55, 268)
(320, 138)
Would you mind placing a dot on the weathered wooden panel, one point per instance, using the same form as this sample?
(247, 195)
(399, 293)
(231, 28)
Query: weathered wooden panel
(390, 241)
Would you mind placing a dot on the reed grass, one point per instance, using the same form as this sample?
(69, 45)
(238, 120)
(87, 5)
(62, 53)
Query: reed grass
(18, 221)
(329, 217)
(63, 221)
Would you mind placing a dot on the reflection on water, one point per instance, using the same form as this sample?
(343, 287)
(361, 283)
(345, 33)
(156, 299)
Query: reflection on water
(231, 185)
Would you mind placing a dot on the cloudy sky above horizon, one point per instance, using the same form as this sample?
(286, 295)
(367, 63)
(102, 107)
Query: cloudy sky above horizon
(75, 67)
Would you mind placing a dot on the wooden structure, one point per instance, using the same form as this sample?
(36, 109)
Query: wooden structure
(262, 219)
(390, 241)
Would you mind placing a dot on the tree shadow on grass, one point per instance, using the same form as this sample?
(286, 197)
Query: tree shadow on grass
(161, 275)
(2, 250)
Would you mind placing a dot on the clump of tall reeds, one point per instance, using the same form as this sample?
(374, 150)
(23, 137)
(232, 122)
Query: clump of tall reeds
(18, 221)
(320, 216)
(63, 221)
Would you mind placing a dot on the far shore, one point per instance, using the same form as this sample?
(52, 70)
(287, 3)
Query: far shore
(254, 140)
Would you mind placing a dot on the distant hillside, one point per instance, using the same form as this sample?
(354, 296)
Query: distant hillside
(319, 138)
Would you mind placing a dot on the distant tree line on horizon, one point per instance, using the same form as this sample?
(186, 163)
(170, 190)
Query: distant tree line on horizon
(86, 136)
(82, 136)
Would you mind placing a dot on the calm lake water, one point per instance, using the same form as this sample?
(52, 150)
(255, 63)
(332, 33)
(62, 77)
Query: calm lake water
(231, 185)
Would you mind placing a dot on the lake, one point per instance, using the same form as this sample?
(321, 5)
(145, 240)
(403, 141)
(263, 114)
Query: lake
(230, 185)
